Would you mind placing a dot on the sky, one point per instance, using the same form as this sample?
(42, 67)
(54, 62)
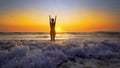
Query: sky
(72, 15)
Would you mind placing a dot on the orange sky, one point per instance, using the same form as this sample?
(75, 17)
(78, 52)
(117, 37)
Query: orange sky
(73, 16)
(80, 22)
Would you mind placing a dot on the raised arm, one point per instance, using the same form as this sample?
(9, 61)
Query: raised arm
(55, 18)
(49, 18)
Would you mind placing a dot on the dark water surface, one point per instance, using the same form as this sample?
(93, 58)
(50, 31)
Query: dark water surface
(59, 36)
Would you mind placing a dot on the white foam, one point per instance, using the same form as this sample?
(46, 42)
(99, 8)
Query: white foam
(46, 54)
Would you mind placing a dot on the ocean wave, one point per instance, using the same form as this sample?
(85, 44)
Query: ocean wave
(47, 54)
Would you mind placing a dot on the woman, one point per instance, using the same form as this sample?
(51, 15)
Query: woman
(52, 28)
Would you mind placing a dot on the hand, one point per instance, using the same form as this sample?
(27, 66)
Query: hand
(49, 16)
(55, 16)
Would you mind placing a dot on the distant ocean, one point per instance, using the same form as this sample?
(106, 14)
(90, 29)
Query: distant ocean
(59, 36)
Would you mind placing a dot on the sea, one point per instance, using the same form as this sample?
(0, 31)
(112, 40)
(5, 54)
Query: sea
(59, 36)
(70, 50)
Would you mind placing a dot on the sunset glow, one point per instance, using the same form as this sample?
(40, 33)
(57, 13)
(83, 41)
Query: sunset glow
(58, 29)
(72, 16)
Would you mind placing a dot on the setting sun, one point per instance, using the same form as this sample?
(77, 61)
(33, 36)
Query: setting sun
(58, 29)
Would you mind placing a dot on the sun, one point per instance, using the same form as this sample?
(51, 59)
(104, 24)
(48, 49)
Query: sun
(58, 29)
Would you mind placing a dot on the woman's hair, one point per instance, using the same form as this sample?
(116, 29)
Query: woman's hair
(52, 19)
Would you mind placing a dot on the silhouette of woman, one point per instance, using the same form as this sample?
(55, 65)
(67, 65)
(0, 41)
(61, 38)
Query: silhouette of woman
(52, 28)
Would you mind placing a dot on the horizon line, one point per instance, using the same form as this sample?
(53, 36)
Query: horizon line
(58, 32)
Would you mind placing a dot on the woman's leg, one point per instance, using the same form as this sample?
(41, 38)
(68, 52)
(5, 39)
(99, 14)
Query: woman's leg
(50, 36)
(54, 36)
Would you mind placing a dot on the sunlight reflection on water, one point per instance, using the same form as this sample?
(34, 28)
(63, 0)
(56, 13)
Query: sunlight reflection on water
(46, 36)
(30, 36)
